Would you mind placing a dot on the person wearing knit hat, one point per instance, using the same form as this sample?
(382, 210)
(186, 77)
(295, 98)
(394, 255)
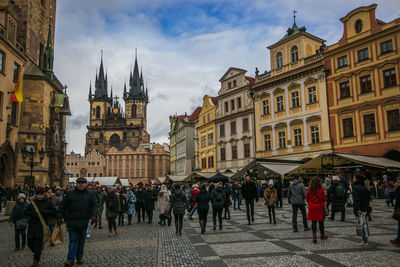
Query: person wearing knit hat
(270, 196)
(19, 221)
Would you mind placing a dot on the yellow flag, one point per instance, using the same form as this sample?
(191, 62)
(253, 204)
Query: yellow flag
(17, 95)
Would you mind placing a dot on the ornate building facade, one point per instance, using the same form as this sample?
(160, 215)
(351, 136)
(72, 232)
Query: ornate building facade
(363, 85)
(91, 165)
(109, 124)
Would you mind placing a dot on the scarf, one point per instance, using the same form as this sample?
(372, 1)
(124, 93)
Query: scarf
(111, 201)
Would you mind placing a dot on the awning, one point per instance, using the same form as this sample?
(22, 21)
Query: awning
(177, 178)
(105, 181)
(280, 168)
(124, 182)
(373, 161)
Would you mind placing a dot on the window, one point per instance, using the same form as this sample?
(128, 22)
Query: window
(362, 54)
(204, 119)
(222, 130)
(226, 106)
(279, 104)
(246, 148)
(233, 104)
(222, 150)
(314, 134)
(137, 173)
(143, 174)
(1, 105)
(14, 113)
(233, 127)
(282, 139)
(297, 137)
(109, 163)
(393, 118)
(203, 141)
(295, 99)
(267, 142)
(386, 47)
(358, 26)
(2, 61)
(344, 89)
(133, 111)
(348, 127)
(239, 102)
(245, 125)
(208, 117)
(265, 107)
(204, 163)
(210, 138)
(342, 62)
(389, 77)
(279, 60)
(211, 162)
(365, 82)
(229, 85)
(294, 53)
(97, 112)
(234, 83)
(312, 95)
(17, 67)
(369, 124)
(120, 161)
(234, 152)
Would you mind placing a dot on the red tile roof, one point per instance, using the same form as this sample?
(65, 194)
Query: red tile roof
(214, 100)
(250, 79)
(195, 114)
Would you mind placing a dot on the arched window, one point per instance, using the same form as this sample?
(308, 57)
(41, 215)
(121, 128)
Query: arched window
(294, 53)
(133, 111)
(114, 140)
(97, 112)
(279, 62)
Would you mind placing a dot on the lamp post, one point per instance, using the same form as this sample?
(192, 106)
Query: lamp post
(28, 155)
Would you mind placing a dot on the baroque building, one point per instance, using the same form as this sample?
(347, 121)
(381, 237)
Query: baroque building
(234, 121)
(38, 118)
(109, 124)
(181, 135)
(363, 85)
(291, 110)
(91, 165)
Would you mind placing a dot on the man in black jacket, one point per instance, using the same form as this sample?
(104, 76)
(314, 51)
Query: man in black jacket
(78, 207)
(150, 196)
(140, 203)
(249, 193)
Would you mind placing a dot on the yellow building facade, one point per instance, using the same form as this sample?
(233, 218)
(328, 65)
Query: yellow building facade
(205, 145)
(290, 101)
(363, 85)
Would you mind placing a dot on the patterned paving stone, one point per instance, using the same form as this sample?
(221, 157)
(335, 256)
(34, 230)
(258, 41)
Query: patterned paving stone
(367, 258)
(246, 248)
(293, 260)
(229, 237)
(331, 243)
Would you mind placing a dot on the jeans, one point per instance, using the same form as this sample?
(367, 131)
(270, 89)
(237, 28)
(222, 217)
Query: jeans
(217, 211)
(271, 209)
(150, 214)
(302, 208)
(250, 209)
(20, 233)
(236, 197)
(76, 244)
(193, 211)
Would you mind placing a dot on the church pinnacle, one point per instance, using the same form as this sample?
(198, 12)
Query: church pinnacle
(101, 91)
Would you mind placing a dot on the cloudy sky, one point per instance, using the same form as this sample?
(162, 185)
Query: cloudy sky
(184, 46)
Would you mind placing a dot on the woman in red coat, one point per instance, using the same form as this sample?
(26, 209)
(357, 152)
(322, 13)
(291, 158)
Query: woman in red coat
(316, 199)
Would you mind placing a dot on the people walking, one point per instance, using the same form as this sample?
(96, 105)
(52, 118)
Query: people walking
(131, 201)
(236, 195)
(337, 196)
(38, 213)
(163, 199)
(178, 201)
(270, 196)
(112, 210)
(123, 208)
(202, 199)
(296, 197)
(316, 199)
(193, 193)
(227, 202)
(396, 196)
(77, 208)
(249, 193)
(217, 200)
(19, 221)
(361, 198)
(101, 197)
(150, 196)
(140, 204)
(279, 189)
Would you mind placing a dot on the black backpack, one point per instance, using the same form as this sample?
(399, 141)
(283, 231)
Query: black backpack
(340, 192)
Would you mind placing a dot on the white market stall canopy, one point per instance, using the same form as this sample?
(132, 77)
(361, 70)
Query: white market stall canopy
(105, 181)
(124, 182)
(280, 168)
(177, 178)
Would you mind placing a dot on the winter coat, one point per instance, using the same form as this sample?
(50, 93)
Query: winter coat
(193, 194)
(218, 198)
(123, 204)
(202, 199)
(56, 201)
(270, 196)
(361, 198)
(296, 193)
(18, 212)
(112, 209)
(235, 190)
(249, 191)
(35, 228)
(150, 196)
(316, 203)
(227, 192)
(178, 201)
(77, 207)
(163, 198)
(333, 197)
(279, 188)
(139, 199)
(130, 200)
(102, 199)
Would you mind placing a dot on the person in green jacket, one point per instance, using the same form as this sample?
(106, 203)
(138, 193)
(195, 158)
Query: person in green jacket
(113, 208)
(101, 197)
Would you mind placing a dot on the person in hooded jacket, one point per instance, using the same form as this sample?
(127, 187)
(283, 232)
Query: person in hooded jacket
(35, 227)
(217, 200)
(227, 202)
(19, 221)
(361, 198)
(130, 200)
(249, 193)
(202, 199)
(337, 196)
(316, 199)
(296, 197)
(178, 201)
(163, 199)
(150, 196)
(270, 196)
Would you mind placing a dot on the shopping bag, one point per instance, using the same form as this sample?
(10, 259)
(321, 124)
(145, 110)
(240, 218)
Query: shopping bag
(57, 237)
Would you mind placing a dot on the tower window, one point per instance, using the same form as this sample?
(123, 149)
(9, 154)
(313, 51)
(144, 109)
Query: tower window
(358, 26)
(294, 53)
(133, 111)
(279, 60)
(97, 112)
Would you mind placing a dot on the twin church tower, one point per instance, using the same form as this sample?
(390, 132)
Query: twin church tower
(109, 125)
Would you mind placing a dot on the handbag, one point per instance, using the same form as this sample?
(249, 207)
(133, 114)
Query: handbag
(46, 230)
(21, 224)
(326, 211)
(57, 237)
(396, 214)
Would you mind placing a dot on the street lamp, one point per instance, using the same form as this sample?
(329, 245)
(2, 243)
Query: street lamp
(28, 155)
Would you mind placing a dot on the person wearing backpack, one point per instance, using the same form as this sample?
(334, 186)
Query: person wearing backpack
(337, 196)
(217, 200)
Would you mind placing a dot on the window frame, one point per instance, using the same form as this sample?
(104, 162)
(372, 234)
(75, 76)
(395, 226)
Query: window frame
(363, 54)
(234, 152)
(210, 137)
(233, 129)
(265, 107)
(365, 83)
(239, 102)
(222, 130)
(3, 61)
(395, 119)
(314, 134)
(267, 142)
(279, 60)
(295, 99)
(294, 53)
(281, 136)
(247, 128)
(246, 149)
(223, 153)
(279, 104)
(392, 81)
(386, 50)
(312, 95)
(342, 61)
(341, 87)
(344, 121)
(369, 124)
(297, 137)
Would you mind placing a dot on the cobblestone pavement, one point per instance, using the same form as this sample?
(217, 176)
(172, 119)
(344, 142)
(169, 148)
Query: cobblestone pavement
(264, 244)
(136, 245)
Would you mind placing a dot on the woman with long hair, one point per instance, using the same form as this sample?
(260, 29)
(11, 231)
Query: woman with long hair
(316, 199)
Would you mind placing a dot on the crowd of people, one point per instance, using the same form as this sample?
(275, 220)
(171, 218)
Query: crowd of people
(82, 207)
